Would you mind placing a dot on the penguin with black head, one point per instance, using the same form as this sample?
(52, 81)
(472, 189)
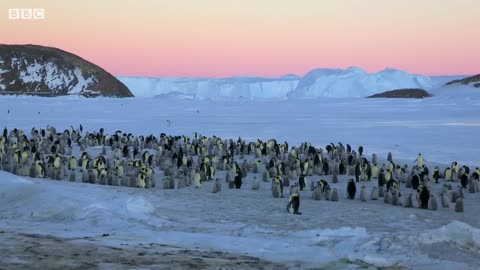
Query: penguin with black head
(424, 196)
(294, 204)
(351, 189)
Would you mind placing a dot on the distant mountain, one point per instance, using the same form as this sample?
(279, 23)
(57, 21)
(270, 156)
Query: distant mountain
(355, 82)
(336, 83)
(468, 88)
(402, 93)
(38, 70)
(214, 89)
(472, 81)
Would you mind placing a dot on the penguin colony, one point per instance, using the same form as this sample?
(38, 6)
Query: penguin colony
(135, 161)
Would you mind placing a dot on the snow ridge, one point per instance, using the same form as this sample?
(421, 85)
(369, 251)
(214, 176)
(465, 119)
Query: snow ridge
(332, 83)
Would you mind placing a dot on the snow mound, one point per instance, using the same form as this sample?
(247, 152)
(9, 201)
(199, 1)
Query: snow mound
(456, 91)
(355, 82)
(456, 232)
(139, 206)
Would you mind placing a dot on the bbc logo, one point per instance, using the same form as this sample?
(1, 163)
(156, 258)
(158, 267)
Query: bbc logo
(26, 13)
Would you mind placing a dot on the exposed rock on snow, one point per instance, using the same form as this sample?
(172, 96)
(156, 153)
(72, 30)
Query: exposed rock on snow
(38, 70)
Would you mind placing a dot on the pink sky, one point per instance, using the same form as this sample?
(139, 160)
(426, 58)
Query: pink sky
(218, 38)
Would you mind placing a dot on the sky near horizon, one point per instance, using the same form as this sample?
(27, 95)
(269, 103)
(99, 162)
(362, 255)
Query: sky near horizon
(221, 38)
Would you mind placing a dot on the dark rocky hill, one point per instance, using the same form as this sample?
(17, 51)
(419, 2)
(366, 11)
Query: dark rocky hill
(473, 81)
(47, 71)
(402, 93)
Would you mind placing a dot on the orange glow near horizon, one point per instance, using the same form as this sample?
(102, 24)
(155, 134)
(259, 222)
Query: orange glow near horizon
(215, 38)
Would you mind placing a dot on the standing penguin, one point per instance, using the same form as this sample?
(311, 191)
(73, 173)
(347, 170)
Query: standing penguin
(197, 179)
(217, 186)
(419, 160)
(334, 195)
(454, 195)
(301, 181)
(464, 181)
(408, 202)
(432, 203)
(360, 150)
(294, 204)
(334, 178)
(374, 194)
(363, 195)
(238, 180)
(424, 196)
(436, 174)
(351, 189)
(317, 192)
(444, 199)
(255, 184)
(459, 205)
(472, 186)
(389, 157)
(276, 192)
(448, 174)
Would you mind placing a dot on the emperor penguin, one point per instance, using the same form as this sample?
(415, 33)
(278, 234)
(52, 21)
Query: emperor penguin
(317, 193)
(472, 186)
(334, 178)
(374, 159)
(432, 203)
(363, 195)
(351, 189)
(141, 180)
(167, 183)
(424, 196)
(375, 170)
(360, 150)
(408, 202)
(265, 176)
(33, 168)
(389, 157)
(419, 160)
(436, 174)
(374, 194)
(197, 179)
(387, 198)
(454, 196)
(448, 174)
(381, 192)
(294, 188)
(181, 183)
(301, 181)
(92, 177)
(444, 199)
(73, 176)
(276, 193)
(217, 186)
(294, 204)
(460, 192)
(255, 183)
(334, 195)
(459, 205)
(415, 182)
(85, 177)
(396, 197)
(238, 180)
(464, 181)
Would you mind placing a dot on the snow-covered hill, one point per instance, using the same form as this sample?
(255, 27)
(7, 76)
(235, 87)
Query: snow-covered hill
(338, 83)
(459, 87)
(47, 71)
